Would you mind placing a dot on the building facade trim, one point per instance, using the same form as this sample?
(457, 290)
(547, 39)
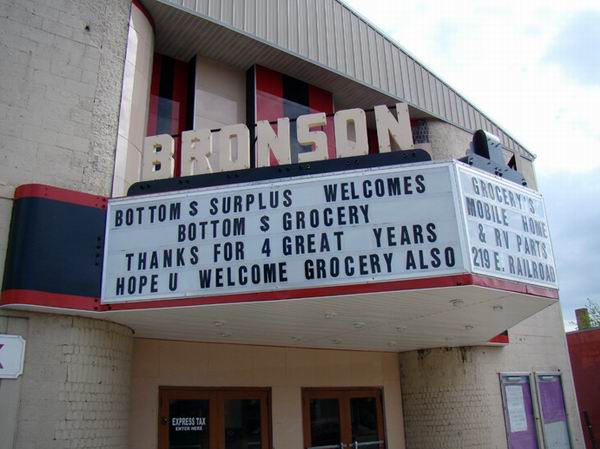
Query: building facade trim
(333, 36)
(22, 297)
(58, 194)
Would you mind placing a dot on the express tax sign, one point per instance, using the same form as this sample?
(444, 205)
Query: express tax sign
(354, 227)
(338, 229)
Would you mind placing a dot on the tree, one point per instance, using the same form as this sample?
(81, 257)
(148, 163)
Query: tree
(594, 311)
(593, 316)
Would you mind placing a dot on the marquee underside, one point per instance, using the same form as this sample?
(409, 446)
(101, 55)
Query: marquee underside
(386, 321)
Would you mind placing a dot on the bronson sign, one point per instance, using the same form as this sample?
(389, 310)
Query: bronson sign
(346, 228)
(205, 151)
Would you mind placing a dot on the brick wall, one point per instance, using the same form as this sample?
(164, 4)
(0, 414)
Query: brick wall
(74, 391)
(584, 352)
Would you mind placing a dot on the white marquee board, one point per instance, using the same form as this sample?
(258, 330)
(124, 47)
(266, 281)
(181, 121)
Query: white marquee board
(507, 229)
(346, 228)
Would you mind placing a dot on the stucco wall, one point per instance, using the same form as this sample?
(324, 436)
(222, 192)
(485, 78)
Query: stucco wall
(451, 397)
(74, 391)
(286, 370)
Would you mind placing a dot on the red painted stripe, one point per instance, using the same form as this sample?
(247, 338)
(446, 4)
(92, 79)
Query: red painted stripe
(269, 99)
(321, 100)
(516, 287)
(413, 284)
(180, 96)
(145, 12)
(500, 339)
(82, 303)
(38, 298)
(154, 96)
(58, 194)
(541, 291)
(179, 110)
(269, 94)
(373, 142)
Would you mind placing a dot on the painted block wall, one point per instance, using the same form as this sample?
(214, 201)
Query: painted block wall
(451, 396)
(61, 68)
(74, 391)
(60, 64)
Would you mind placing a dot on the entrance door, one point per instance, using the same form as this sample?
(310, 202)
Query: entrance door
(343, 419)
(192, 418)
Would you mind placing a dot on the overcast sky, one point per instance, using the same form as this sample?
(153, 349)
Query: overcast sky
(533, 67)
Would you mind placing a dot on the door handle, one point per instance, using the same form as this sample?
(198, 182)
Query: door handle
(329, 446)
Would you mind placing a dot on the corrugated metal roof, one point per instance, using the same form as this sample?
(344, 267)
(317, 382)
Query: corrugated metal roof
(344, 51)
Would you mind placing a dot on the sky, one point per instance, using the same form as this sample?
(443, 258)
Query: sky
(533, 67)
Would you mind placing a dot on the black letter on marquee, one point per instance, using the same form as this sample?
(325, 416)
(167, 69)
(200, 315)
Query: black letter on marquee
(172, 281)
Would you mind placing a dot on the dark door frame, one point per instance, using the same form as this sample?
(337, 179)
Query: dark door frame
(344, 394)
(217, 397)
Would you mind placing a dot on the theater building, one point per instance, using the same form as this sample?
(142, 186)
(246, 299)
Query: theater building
(235, 224)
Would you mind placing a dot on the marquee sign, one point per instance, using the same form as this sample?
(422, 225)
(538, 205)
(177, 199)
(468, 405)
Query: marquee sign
(356, 227)
(507, 230)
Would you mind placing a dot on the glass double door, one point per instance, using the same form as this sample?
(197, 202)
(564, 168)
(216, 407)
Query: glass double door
(343, 419)
(193, 418)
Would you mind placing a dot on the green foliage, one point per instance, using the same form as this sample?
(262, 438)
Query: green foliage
(592, 320)
(594, 312)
